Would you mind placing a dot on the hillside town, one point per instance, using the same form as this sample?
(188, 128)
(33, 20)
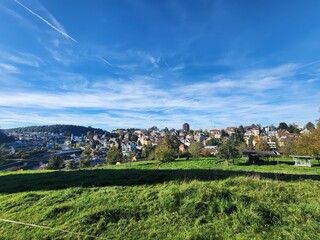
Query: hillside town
(32, 150)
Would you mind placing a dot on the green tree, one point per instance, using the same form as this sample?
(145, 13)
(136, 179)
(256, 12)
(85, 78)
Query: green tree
(84, 163)
(4, 138)
(94, 144)
(190, 132)
(154, 128)
(166, 130)
(195, 149)
(206, 133)
(167, 149)
(78, 145)
(3, 155)
(213, 142)
(238, 136)
(172, 142)
(309, 144)
(262, 145)
(147, 150)
(87, 152)
(228, 150)
(114, 155)
(289, 147)
(70, 164)
(293, 128)
(55, 162)
(282, 126)
(89, 134)
(241, 129)
(224, 133)
(164, 153)
(241, 147)
(310, 126)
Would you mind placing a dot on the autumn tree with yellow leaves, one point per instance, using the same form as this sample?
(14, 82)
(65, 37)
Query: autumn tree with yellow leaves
(309, 144)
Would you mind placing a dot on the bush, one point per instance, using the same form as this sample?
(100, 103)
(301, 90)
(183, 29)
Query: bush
(84, 163)
(164, 153)
(3, 155)
(55, 162)
(114, 155)
(228, 150)
(70, 164)
(195, 149)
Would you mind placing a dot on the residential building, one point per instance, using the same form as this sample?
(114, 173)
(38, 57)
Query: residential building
(215, 133)
(186, 127)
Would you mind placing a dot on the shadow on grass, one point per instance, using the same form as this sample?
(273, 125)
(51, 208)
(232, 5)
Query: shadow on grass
(272, 162)
(13, 183)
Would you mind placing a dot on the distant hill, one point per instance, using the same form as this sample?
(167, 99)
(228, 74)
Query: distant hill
(4, 138)
(65, 129)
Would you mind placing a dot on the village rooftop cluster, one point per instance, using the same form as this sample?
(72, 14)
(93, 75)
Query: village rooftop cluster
(35, 148)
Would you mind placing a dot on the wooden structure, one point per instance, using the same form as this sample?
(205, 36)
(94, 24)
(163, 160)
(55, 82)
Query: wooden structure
(255, 155)
(302, 161)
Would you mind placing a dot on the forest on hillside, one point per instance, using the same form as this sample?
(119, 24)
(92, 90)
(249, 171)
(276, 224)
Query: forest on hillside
(4, 138)
(65, 129)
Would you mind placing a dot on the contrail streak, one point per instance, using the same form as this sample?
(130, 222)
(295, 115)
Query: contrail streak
(49, 24)
(311, 63)
(105, 61)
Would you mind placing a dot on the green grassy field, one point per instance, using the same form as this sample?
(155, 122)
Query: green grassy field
(194, 199)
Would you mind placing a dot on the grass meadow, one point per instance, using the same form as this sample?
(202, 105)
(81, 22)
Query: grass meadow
(201, 198)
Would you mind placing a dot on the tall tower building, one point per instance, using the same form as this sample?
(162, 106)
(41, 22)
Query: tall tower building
(186, 127)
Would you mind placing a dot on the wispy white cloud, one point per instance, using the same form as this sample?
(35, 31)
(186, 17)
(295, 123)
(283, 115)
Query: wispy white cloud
(122, 96)
(11, 12)
(111, 119)
(129, 67)
(62, 57)
(103, 120)
(253, 81)
(143, 57)
(8, 68)
(63, 33)
(256, 97)
(312, 80)
(55, 42)
(278, 71)
(21, 58)
(178, 67)
(155, 61)
(9, 81)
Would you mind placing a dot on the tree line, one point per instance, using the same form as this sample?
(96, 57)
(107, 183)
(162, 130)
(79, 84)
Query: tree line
(57, 129)
(4, 138)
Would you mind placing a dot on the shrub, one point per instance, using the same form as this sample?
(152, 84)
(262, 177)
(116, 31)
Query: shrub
(195, 149)
(164, 153)
(114, 155)
(70, 164)
(55, 162)
(84, 163)
(228, 150)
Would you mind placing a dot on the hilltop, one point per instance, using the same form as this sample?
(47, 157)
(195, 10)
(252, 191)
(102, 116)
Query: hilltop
(4, 138)
(58, 128)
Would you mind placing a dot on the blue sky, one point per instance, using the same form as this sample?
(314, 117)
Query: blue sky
(139, 63)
